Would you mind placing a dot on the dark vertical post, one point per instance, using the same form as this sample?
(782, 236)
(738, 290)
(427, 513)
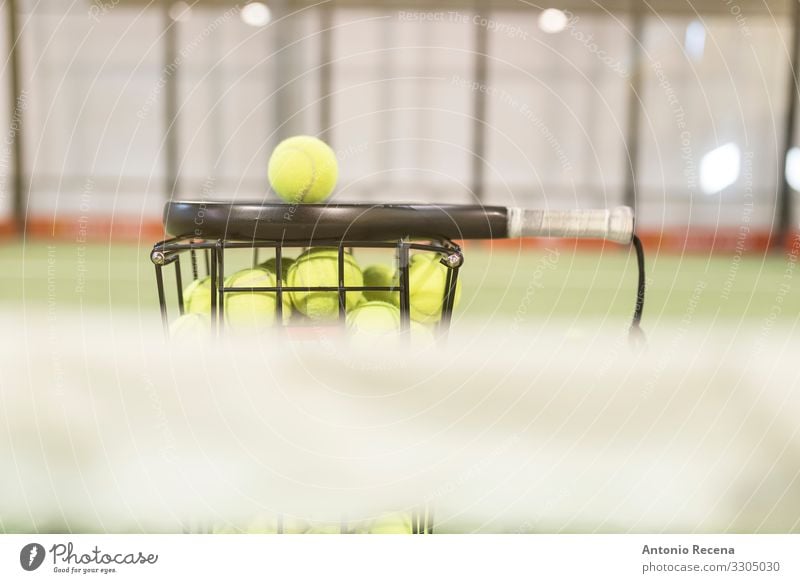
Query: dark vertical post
(16, 105)
(179, 282)
(215, 327)
(279, 275)
(634, 108)
(286, 97)
(162, 298)
(404, 284)
(784, 207)
(480, 74)
(220, 247)
(193, 255)
(170, 72)
(325, 70)
(342, 288)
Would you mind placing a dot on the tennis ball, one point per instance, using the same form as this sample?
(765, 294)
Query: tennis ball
(197, 296)
(395, 523)
(246, 310)
(270, 523)
(320, 267)
(374, 324)
(190, 327)
(381, 276)
(426, 280)
(325, 528)
(265, 523)
(271, 266)
(303, 169)
(374, 317)
(421, 335)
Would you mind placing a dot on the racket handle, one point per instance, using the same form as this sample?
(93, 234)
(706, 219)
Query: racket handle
(610, 224)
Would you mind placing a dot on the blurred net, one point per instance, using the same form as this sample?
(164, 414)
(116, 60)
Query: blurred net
(551, 429)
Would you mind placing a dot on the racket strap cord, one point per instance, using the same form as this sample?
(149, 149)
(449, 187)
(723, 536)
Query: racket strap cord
(636, 330)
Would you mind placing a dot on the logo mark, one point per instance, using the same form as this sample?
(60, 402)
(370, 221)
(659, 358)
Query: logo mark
(31, 556)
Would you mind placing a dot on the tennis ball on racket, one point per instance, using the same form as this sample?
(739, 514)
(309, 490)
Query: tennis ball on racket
(395, 523)
(303, 169)
(426, 280)
(381, 276)
(320, 268)
(247, 310)
(197, 296)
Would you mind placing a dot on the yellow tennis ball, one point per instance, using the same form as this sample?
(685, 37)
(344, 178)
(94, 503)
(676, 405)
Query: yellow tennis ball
(242, 309)
(378, 324)
(191, 328)
(422, 336)
(374, 317)
(270, 523)
(395, 523)
(303, 169)
(381, 276)
(247, 310)
(265, 523)
(271, 266)
(426, 280)
(197, 296)
(374, 324)
(324, 528)
(320, 268)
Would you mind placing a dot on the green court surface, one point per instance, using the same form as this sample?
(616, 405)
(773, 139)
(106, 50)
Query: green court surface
(526, 284)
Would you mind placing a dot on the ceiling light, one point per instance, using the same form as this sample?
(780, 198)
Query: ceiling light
(256, 14)
(695, 42)
(552, 20)
(720, 168)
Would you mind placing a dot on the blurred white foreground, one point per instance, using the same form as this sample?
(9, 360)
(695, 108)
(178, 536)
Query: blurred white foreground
(105, 428)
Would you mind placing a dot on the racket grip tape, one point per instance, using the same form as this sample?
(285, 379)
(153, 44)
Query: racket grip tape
(615, 224)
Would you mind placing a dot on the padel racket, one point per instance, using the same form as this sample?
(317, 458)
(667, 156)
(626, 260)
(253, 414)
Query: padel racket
(384, 222)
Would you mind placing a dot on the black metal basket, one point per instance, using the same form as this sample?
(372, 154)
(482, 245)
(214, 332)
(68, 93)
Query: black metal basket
(215, 228)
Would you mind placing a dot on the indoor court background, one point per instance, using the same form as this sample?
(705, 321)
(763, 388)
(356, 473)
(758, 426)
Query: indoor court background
(122, 105)
(685, 111)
